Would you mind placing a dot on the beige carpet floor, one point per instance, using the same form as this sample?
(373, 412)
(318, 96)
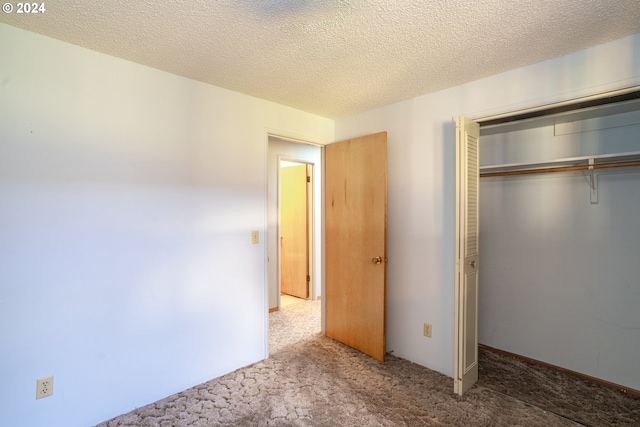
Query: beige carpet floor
(311, 380)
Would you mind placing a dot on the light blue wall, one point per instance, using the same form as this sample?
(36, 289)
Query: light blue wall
(127, 200)
(560, 277)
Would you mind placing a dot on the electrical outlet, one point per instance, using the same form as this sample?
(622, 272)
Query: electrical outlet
(255, 237)
(44, 387)
(427, 330)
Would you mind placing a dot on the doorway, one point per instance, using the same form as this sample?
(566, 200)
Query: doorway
(566, 226)
(284, 149)
(366, 231)
(278, 312)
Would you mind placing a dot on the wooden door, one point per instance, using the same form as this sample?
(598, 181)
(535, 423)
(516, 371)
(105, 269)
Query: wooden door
(467, 254)
(294, 256)
(356, 233)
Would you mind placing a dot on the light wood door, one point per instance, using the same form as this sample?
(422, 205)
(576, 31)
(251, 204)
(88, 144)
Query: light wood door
(294, 256)
(355, 230)
(467, 254)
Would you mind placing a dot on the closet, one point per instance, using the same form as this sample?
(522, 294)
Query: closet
(560, 239)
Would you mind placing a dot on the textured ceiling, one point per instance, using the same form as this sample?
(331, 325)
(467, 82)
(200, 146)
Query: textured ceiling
(334, 58)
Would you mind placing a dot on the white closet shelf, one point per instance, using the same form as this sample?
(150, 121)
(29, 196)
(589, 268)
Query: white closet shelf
(600, 161)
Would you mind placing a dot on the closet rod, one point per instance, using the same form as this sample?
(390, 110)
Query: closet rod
(562, 169)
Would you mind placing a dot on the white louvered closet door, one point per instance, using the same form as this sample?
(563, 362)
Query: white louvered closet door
(467, 254)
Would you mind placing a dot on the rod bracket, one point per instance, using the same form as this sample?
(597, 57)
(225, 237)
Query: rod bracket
(593, 182)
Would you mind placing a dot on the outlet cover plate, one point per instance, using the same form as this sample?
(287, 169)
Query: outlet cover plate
(428, 329)
(44, 387)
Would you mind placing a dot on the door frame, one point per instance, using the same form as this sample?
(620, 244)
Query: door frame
(318, 190)
(538, 111)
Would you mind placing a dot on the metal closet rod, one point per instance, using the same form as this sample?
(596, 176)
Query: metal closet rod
(562, 169)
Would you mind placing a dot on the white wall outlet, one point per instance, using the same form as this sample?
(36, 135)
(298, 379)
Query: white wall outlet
(44, 387)
(255, 237)
(427, 330)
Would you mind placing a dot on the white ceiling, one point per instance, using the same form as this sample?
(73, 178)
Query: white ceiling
(334, 58)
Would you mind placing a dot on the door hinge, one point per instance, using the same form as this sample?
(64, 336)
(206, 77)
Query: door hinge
(308, 278)
(308, 179)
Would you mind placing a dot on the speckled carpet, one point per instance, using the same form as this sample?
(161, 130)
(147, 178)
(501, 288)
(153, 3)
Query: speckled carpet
(311, 380)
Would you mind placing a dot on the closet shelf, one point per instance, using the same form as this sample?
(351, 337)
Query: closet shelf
(602, 161)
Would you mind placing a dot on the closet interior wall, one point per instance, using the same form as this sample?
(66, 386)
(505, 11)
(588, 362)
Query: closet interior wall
(559, 276)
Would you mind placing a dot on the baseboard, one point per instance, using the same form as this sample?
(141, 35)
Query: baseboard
(595, 380)
(271, 310)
